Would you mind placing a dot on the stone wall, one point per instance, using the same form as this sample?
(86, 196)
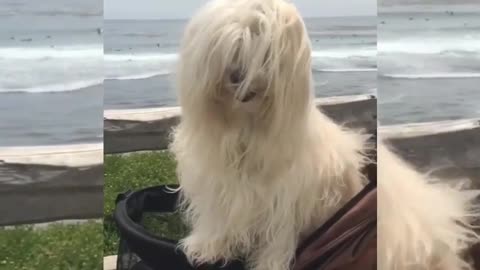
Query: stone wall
(42, 184)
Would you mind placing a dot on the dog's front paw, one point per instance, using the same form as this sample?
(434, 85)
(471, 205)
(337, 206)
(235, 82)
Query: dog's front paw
(205, 251)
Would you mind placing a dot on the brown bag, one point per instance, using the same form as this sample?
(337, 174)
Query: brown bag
(347, 241)
(475, 254)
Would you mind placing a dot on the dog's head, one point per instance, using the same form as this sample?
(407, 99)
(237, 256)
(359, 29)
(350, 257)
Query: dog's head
(245, 59)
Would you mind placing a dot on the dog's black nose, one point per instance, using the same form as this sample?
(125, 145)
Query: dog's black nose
(249, 96)
(236, 77)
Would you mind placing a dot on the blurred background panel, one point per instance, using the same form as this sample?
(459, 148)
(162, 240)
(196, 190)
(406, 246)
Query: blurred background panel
(51, 103)
(429, 60)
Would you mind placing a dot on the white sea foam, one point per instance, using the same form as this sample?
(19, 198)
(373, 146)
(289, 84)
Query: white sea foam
(44, 69)
(432, 75)
(169, 57)
(141, 57)
(60, 87)
(32, 53)
(344, 53)
(138, 66)
(468, 44)
(146, 65)
(139, 76)
(345, 69)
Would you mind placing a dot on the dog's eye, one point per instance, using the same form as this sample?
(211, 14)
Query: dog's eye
(235, 77)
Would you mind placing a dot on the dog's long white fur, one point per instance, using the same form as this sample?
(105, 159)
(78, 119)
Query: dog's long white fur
(424, 223)
(259, 175)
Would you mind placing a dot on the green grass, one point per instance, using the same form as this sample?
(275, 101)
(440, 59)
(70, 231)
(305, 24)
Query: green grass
(79, 247)
(57, 247)
(134, 172)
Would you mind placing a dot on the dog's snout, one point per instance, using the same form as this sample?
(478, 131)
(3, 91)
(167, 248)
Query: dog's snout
(249, 96)
(236, 77)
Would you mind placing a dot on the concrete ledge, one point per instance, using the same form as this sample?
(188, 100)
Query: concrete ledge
(43, 184)
(76, 155)
(46, 225)
(142, 115)
(448, 149)
(148, 129)
(110, 262)
(427, 128)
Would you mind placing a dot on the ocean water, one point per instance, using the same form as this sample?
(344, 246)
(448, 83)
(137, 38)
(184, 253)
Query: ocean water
(140, 57)
(428, 64)
(51, 72)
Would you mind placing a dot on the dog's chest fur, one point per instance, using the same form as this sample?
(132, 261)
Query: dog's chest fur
(279, 190)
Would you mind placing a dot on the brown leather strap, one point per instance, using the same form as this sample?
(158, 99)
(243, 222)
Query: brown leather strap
(347, 241)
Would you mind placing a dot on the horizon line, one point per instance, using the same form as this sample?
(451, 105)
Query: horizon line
(188, 18)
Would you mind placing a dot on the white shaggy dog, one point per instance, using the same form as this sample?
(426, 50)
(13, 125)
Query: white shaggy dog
(259, 166)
